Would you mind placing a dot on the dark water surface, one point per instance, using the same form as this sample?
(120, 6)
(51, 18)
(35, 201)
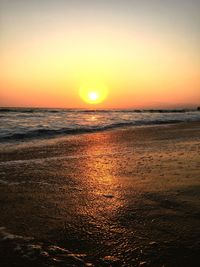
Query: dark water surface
(118, 198)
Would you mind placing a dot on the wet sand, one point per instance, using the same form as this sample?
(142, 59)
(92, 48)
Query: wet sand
(127, 197)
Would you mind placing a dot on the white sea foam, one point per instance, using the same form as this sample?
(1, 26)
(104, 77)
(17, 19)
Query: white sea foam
(5, 235)
(47, 160)
(8, 183)
(3, 182)
(31, 249)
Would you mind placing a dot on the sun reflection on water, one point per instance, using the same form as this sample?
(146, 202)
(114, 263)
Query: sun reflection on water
(98, 175)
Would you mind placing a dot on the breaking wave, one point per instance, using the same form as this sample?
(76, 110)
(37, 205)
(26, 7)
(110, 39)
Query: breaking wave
(18, 124)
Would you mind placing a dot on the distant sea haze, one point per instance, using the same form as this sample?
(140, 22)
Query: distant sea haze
(20, 124)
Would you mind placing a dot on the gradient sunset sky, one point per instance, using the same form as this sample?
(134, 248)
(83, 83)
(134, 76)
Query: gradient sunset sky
(145, 52)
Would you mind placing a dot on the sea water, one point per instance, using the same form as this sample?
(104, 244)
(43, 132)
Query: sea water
(30, 123)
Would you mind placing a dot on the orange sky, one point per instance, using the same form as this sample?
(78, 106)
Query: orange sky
(146, 54)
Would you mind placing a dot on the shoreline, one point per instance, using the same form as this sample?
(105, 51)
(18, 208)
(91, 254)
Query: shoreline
(5, 141)
(39, 141)
(122, 197)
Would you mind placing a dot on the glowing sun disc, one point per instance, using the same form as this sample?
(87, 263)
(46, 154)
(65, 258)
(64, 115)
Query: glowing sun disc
(93, 94)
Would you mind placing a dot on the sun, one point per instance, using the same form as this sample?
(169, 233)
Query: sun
(93, 94)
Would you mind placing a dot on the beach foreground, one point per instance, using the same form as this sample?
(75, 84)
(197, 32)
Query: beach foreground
(127, 197)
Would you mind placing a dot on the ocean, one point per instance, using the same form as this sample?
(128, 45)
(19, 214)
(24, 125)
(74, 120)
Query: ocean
(116, 198)
(19, 124)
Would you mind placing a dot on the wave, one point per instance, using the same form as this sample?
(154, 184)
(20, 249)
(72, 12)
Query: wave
(29, 110)
(45, 133)
(51, 110)
(28, 251)
(137, 110)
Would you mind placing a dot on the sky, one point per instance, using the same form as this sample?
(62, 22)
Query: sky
(145, 53)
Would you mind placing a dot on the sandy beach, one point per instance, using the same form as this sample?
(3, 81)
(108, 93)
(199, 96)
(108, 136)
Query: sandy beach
(124, 197)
